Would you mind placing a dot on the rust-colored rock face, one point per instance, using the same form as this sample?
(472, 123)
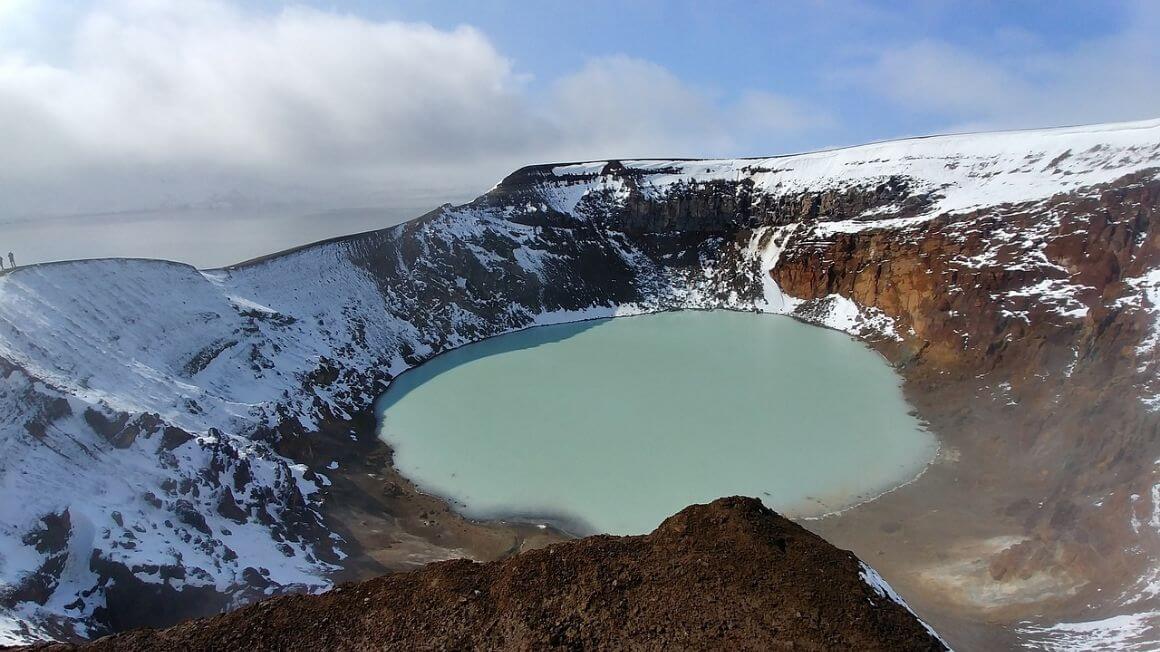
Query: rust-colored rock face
(955, 280)
(1069, 423)
(728, 575)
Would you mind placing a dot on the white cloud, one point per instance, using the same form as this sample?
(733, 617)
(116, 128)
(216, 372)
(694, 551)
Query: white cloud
(114, 105)
(1116, 77)
(169, 103)
(618, 107)
(628, 107)
(199, 81)
(759, 112)
(934, 76)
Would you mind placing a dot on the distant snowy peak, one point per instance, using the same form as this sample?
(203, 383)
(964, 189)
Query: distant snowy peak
(962, 172)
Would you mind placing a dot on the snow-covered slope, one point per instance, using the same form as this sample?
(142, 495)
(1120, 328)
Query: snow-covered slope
(142, 400)
(966, 171)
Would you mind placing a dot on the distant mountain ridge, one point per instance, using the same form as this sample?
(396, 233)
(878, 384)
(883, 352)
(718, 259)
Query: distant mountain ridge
(152, 410)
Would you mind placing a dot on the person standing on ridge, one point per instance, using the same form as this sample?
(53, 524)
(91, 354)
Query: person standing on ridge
(11, 260)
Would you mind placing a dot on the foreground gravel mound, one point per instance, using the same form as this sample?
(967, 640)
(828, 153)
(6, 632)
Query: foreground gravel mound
(730, 574)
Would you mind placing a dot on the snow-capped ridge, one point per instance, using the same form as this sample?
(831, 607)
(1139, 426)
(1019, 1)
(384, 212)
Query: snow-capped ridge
(962, 171)
(594, 166)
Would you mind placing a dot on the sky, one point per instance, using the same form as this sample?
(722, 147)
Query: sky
(210, 131)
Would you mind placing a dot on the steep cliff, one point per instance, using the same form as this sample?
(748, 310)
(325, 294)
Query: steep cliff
(169, 434)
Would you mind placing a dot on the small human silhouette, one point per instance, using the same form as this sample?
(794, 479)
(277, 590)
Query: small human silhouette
(11, 260)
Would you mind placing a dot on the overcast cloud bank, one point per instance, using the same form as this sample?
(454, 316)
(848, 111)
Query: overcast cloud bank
(200, 104)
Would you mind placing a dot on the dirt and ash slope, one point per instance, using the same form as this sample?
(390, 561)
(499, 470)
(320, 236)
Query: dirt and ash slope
(728, 575)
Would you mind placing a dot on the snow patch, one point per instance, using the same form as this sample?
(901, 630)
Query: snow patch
(884, 590)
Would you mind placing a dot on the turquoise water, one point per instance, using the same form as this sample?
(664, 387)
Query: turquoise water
(613, 425)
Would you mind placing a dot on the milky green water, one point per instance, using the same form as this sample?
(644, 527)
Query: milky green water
(613, 425)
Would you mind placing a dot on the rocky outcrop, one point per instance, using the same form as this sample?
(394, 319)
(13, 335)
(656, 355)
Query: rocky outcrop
(1049, 318)
(731, 574)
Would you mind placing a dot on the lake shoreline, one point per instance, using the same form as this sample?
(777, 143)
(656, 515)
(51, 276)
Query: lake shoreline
(720, 403)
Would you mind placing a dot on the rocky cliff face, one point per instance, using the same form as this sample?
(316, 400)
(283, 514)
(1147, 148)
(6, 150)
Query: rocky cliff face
(731, 574)
(169, 433)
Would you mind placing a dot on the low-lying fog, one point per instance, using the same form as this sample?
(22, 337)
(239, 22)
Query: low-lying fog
(202, 237)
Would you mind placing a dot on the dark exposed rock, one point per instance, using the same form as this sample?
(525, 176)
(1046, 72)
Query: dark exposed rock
(728, 575)
(50, 540)
(205, 356)
(188, 514)
(53, 536)
(173, 437)
(130, 602)
(110, 429)
(228, 507)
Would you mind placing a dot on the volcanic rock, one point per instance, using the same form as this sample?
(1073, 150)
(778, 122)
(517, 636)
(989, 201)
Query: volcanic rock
(728, 575)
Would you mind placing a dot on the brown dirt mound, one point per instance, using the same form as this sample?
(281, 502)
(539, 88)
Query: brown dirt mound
(731, 574)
